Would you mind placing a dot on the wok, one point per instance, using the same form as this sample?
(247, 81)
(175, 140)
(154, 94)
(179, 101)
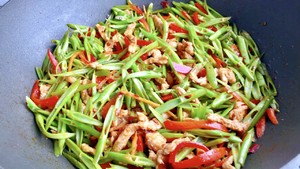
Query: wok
(26, 31)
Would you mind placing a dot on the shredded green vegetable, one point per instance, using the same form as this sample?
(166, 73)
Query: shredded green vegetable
(130, 90)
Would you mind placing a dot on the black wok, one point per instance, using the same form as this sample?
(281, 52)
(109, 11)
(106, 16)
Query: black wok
(26, 31)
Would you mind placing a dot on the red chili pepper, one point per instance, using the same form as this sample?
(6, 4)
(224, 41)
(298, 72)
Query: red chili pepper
(140, 143)
(185, 14)
(235, 48)
(253, 148)
(167, 97)
(141, 42)
(118, 47)
(164, 4)
(114, 33)
(272, 116)
(213, 28)
(170, 36)
(206, 158)
(196, 18)
(166, 16)
(144, 56)
(106, 107)
(99, 79)
(194, 124)
(218, 61)
(255, 101)
(125, 56)
(184, 145)
(234, 94)
(202, 73)
(145, 24)
(110, 80)
(260, 127)
(105, 165)
(53, 62)
(177, 28)
(136, 8)
(201, 8)
(126, 41)
(48, 103)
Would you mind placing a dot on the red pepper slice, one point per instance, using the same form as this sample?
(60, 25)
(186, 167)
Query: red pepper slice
(196, 18)
(48, 103)
(118, 47)
(105, 165)
(255, 101)
(272, 116)
(260, 127)
(202, 73)
(125, 56)
(213, 28)
(141, 42)
(185, 14)
(145, 24)
(106, 107)
(170, 36)
(194, 124)
(53, 62)
(184, 145)
(164, 4)
(144, 56)
(136, 8)
(206, 158)
(253, 148)
(177, 28)
(140, 143)
(127, 41)
(201, 8)
(167, 97)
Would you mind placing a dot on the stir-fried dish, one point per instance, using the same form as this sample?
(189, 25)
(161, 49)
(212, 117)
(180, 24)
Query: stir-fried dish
(177, 87)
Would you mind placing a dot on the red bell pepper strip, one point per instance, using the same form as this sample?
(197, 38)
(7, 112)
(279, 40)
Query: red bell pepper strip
(201, 8)
(106, 107)
(234, 94)
(105, 165)
(125, 56)
(48, 103)
(206, 158)
(196, 18)
(213, 28)
(218, 61)
(194, 124)
(253, 148)
(255, 101)
(167, 97)
(136, 8)
(144, 56)
(260, 127)
(184, 145)
(272, 116)
(141, 42)
(53, 62)
(170, 36)
(164, 4)
(177, 28)
(202, 73)
(118, 47)
(126, 41)
(185, 14)
(140, 143)
(145, 24)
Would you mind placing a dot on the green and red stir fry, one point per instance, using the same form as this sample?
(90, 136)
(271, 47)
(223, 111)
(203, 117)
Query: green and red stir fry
(177, 87)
